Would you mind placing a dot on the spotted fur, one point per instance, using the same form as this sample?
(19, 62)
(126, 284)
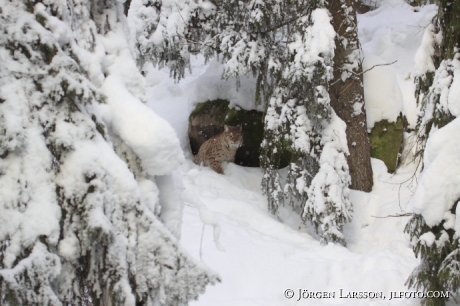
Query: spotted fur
(220, 148)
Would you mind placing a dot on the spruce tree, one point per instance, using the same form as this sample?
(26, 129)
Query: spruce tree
(80, 210)
(433, 230)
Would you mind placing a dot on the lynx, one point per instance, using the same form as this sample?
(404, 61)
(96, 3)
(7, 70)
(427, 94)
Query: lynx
(220, 148)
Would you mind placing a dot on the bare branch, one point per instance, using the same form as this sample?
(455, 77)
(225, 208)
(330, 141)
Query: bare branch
(377, 66)
(363, 72)
(395, 216)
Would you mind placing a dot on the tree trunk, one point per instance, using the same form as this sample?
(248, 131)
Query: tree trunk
(345, 94)
(126, 6)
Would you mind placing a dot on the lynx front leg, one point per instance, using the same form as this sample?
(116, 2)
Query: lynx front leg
(216, 166)
(197, 159)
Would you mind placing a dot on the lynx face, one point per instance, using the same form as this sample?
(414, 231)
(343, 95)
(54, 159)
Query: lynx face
(233, 136)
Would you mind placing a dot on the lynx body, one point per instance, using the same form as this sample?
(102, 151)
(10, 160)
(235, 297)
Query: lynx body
(220, 148)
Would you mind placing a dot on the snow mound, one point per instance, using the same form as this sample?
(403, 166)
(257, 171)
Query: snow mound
(382, 93)
(441, 176)
(211, 86)
(392, 32)
(149, 136)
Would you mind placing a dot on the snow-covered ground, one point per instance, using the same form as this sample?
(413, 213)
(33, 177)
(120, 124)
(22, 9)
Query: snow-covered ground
(263, 257)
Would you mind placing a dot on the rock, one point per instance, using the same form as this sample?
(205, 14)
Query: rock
(386, 141)
(208, 119)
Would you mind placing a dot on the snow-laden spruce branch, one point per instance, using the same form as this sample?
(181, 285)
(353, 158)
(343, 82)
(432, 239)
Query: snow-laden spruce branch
(87, 210)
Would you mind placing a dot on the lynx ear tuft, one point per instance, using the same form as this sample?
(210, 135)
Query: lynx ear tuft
(226, 128)
(240, 126)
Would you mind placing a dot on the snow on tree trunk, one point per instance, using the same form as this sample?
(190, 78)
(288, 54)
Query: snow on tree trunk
(347, 93)
(79, 153)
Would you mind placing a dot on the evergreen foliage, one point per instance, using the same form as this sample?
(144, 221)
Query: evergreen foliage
(288, 46)
(435, 240)
(166, 32)
(439, 269)
(80, 209)
(444, 35)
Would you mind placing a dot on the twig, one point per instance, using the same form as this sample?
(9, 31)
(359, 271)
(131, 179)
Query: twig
(201, 244)
(399, 197)
(377, 66)
(352, 81)
(360, 73)
(395, 216)
(178, 10)
(414, 176)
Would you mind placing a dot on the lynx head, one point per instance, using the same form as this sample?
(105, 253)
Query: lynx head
(233, 136)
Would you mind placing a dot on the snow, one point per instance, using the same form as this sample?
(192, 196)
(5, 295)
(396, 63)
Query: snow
(175, 101)
(428, 239)
(210, 86)
(222, 221)
(423, 58)
(457, 221)
(264, 257)
(257, 256)
(329, 188)
(441, 176)
(80, 159)
(150, 136)
(319, 39)
(393, 32)
(382, 93)
(454, 92)
(41, 263)
(170, 199)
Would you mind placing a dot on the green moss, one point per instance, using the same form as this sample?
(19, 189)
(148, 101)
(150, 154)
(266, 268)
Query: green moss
(386, 140)
(217, 109)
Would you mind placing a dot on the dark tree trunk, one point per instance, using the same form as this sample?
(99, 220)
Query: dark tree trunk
(344, 95)
(126, 6)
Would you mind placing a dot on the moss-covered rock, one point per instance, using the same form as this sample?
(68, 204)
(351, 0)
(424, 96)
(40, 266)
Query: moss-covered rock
(208, 119)
(386, 141)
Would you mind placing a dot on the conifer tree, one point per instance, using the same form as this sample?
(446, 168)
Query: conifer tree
(80, 212)
(433, 230)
